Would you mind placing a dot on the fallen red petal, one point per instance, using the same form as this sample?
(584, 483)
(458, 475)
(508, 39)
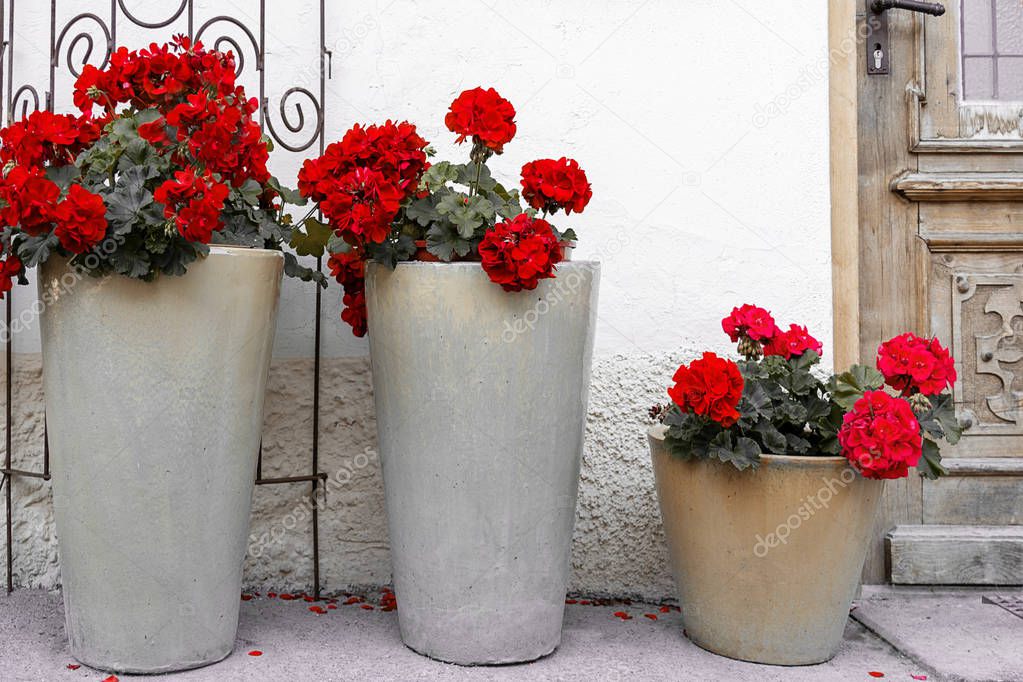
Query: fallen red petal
(919, 677)
(874, 673)
(622, 615)
(112, 678)
(353, 600)
(73, 666)
(255, 652)
(571, 601)
(317, 609)
(650, 616)
(366, 607)
(585, 602)
(271, 595)
(331, 606)
(246, 597)
(287, 597)
(665, 609)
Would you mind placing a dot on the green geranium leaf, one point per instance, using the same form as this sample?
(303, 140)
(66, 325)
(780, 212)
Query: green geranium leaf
(438, 175)
(930, 463)
(34, 251)
(423, 211)
(444, 241)
(250, 191)
(292, 268)
(773, 439)
(288, 195)
(63, 176)
(312, 241)
(850, 386)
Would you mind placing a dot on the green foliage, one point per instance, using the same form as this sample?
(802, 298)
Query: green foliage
(848, 387)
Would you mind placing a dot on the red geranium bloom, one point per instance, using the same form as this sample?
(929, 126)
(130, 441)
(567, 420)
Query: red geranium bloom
(483, 115)
(9, 269)
(792, 343)
(362, 206)
(81, 220)
(749, 321)
(348, 269)
(195, 203)
(911, 364)
(518, 253)
(549, 185)
(710, 387)
(354, 312)
(30, 199)
(880, 436)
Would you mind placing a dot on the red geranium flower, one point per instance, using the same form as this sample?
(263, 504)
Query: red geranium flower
(362, 206)
(518, 253)
(710, 387)
(482, 115)
(81, 221)
(549, 185)
(194, 202)
(749, 321)
(348, 269)
(880, 436)
(30, 200)
(9, 269)
(911, 364)
(354, 312)
(792, 343)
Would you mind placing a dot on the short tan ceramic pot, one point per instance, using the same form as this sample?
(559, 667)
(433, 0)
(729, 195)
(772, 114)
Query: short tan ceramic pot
(767, 562)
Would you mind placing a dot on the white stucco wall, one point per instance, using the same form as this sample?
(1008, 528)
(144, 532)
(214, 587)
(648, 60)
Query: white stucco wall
(703, 128)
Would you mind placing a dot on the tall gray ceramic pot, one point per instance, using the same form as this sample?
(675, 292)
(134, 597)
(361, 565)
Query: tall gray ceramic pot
(154, 406)
(481, 406)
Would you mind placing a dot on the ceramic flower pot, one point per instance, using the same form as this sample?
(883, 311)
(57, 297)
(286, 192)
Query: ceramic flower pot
(766, 562)
(481, 406)
(154, 405)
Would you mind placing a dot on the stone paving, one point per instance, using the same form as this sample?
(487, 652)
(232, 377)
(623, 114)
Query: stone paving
(893, 635)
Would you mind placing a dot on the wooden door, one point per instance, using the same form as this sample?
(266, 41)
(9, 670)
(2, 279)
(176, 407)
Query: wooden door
(940, 252)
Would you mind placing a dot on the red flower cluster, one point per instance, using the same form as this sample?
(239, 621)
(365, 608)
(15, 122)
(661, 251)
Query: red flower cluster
(792, 343)
(361, 181)
(752, 325)
(194, 202)
(155, 77)
(81, 220)
(194, 91)
(549, 185)
(880, 436)
(518, 253)
(914, 365)
(710, 387)
(31, 202)
(44, 137)
(749, 321)
(349, 269)
(9, 269)
(483, 115)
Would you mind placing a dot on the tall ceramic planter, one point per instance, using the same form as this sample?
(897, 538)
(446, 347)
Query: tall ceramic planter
(154, 403)
(767, 562)
(481, 405)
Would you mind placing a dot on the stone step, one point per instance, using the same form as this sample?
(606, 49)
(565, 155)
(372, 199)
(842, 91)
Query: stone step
(955, 555)
(978, 491)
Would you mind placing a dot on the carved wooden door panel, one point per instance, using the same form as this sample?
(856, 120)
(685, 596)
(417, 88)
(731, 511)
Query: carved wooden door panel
(941, 253)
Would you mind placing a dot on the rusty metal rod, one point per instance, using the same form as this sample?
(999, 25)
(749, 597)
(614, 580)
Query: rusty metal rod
(933, 8)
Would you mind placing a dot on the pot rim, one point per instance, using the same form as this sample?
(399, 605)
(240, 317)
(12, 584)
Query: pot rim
(241, 250)
(657, 431)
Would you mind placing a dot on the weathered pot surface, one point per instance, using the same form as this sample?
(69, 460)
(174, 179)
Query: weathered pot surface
(154, 404)
(481, 404)
(767, 562)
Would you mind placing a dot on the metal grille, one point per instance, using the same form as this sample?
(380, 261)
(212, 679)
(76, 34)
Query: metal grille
(1011, 603)
(93, 38)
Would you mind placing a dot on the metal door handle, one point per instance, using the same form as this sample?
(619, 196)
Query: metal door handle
(933, 8)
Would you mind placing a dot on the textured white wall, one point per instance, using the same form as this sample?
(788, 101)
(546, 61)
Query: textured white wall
(703, 128)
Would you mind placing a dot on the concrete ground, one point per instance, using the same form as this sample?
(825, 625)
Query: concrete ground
(942, 637)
